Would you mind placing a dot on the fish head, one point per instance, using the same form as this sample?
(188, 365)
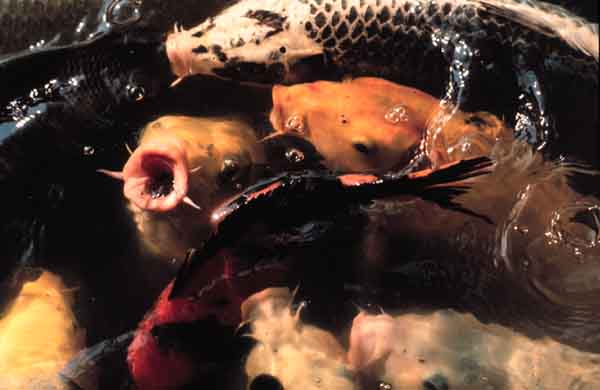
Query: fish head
(359, 125)
(252, 41)
(183, 161)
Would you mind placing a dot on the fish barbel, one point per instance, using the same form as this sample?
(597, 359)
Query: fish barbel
(260, 40)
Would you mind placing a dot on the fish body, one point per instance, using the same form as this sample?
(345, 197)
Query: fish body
(184, 166)
(510, 271)
(403, 38)
(55, 123)
(33, 25)
(216, 287)
(373, 125)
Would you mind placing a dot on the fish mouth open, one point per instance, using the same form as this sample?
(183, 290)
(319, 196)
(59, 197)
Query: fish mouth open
(156, 176)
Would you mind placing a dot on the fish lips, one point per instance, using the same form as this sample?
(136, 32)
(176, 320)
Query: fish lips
(156, 176)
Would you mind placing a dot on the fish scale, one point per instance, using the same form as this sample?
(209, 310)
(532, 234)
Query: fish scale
(393, 32)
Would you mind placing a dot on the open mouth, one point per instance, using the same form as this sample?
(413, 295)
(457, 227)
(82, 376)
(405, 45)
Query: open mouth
(160, 176)
(156, 176)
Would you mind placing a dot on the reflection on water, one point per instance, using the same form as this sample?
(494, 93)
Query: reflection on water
(395, 294)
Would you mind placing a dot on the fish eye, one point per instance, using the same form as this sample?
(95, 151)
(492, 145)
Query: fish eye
(364, 148)
(230, 169)
(266, 382)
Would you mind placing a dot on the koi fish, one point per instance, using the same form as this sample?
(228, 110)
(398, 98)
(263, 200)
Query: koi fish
(518, 271)
(370, 124)
(198, 162)
(199, 298)
(270, 37)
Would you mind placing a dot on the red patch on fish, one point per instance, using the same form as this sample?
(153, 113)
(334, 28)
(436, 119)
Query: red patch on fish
(268, 189)
(352, 180)
(154, 367)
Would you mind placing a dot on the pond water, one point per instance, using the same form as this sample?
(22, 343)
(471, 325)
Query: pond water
(358, 256)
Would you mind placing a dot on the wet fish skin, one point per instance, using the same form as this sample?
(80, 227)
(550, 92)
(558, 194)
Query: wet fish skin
(93, 87)
(295, 197)
(360, 37)
(24, 23)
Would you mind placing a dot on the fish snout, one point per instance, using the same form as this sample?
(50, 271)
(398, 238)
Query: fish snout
(156, 176)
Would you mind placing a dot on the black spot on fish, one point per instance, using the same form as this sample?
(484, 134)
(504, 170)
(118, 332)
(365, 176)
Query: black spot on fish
(211, 24)
(326, 33)
(346, 44)
(282, 50)
(200, 49)
(398, 18)
(327, 7)
(386, 32)
(447, 8)
(433, 9)
(369, 14)
(272, 32)
(459, 11)
(218, 51)
(344, 4)
(239, 42)
(319, 2)
(270, 19)
(383, 15)
(341, 31)
(372, 30)
(251, 71)
(275, 55)
(470, 12)
(267, 18)
(329, 43)
(407, 6)
(335, 19)
(313, 9)
(352, 15)
(320, 19)
(358, 30)
(198, 34)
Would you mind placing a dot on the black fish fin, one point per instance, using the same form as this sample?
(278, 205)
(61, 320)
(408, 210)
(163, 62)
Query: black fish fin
(443, 185)
(185, 269)
(280, 196)
(90, 359)
(444, 197)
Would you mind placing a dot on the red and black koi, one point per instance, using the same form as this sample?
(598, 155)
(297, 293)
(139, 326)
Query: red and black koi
(197, 297)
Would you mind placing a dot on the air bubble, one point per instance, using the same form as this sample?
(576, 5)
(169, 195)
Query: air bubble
(136, 92)
(384, 386)
(294, 123)
(577, 225)
(294, 155)
(397, 114)
(124, 12)
(89, 150)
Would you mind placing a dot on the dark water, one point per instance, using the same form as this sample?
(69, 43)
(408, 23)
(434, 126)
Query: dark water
(525, 289)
